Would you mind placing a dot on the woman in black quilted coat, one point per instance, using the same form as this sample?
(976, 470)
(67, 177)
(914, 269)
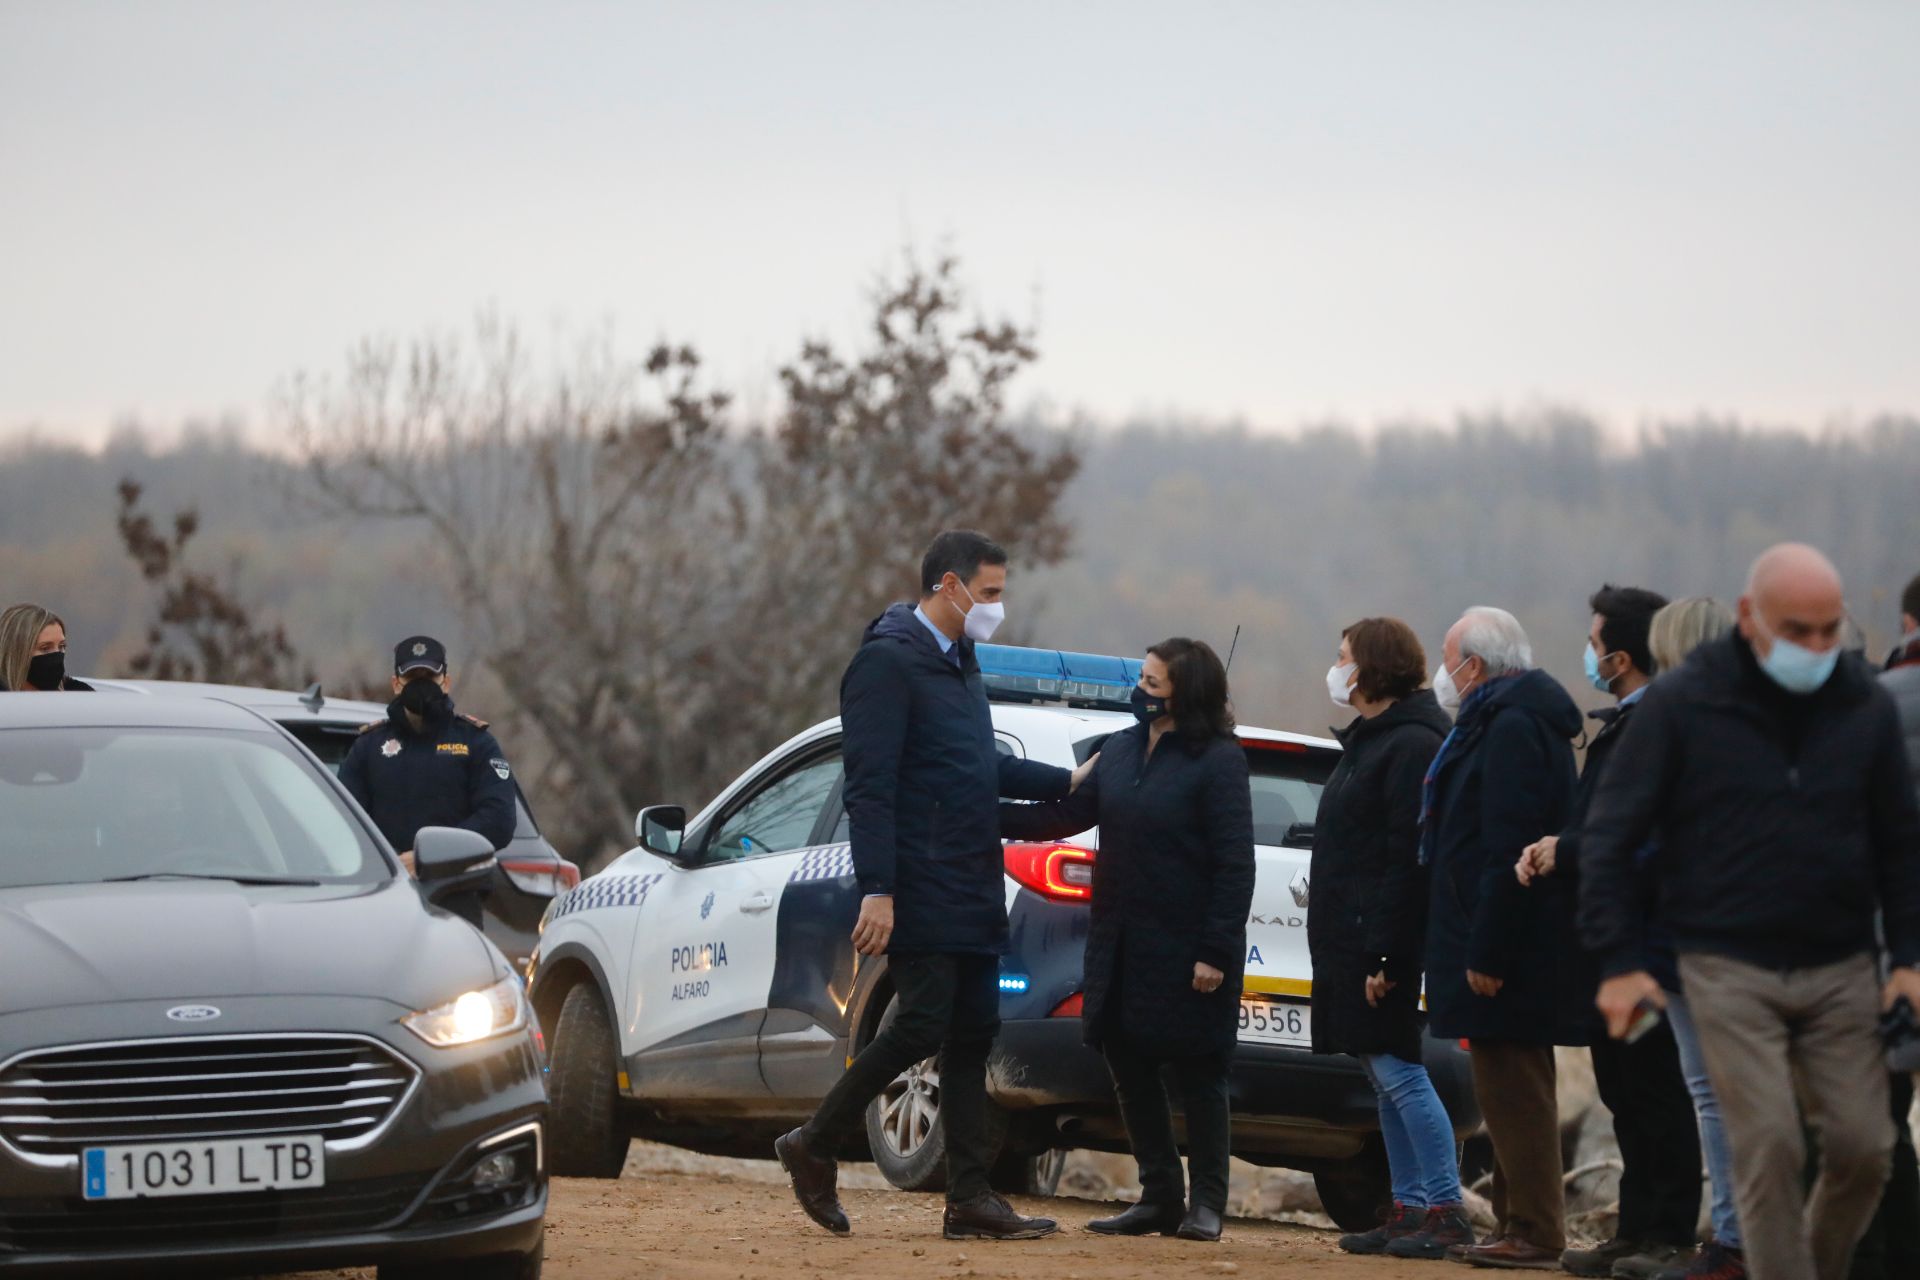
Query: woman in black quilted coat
(1367, 927)
(1167, 943)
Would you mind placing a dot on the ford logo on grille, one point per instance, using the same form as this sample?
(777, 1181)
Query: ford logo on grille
(193, 1013)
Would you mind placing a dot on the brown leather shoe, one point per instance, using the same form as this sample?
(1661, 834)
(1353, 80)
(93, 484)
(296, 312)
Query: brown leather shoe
(1507, 1254)
(815, 1183)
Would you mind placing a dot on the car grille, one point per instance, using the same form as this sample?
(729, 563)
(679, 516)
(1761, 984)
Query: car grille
(72, 1224)
(58, 1101)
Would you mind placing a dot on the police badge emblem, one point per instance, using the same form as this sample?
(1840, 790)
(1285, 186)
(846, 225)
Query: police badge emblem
(391, 747)
(419, 650)
(499, 767)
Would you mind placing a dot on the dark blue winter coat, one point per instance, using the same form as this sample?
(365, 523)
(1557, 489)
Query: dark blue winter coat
(1506, 779)
(923, 789)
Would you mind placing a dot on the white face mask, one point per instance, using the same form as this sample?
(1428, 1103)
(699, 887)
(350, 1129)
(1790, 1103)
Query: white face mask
(1340, 683)
(1443, 686)
(982, 620)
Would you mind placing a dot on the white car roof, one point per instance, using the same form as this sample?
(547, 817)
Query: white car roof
(283, 705)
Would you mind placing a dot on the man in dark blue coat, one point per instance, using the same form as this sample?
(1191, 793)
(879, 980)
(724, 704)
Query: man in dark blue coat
(1503, 969)
(924, 781)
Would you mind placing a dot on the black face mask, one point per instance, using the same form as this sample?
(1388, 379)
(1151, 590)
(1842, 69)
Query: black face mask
(1146, 707)
(48, 671)
(422, 697)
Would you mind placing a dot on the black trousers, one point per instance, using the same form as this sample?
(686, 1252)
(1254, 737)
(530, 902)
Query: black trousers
(1145, 1109)
(950, 1005)
(1659, 1137)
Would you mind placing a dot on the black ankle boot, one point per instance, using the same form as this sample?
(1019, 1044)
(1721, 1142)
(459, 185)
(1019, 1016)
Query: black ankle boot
(1142, 1219)
(1201, 1223)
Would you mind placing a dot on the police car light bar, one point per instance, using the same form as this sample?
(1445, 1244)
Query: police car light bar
(1014, 674)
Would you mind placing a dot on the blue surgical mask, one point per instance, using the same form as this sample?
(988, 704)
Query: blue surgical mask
(1594, 677)
(1798, 669)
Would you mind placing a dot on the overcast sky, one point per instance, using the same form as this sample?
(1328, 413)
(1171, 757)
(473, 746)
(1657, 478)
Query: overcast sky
(1271, 212)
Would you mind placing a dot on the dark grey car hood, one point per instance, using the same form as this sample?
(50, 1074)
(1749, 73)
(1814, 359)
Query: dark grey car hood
(66, 945)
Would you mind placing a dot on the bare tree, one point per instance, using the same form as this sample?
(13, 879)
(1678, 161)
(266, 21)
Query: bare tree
(662, 597)
(201, 630)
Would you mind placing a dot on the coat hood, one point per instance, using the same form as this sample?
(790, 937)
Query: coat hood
(79, 944)
(1539, 695)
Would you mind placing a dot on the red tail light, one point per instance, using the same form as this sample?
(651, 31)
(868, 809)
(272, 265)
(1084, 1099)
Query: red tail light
(541, 877)
(1070, 1007)
(1060, 872)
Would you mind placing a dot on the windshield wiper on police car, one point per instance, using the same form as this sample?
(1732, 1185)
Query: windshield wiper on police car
(209, 875)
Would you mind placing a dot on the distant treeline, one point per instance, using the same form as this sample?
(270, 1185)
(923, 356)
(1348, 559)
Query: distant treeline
(1287, 537)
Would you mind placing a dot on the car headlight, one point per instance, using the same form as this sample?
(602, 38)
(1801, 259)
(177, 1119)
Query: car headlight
(472, 1016)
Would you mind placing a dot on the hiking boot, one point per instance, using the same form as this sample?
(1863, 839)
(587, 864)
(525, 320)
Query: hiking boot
(1445, 1227)
(988, 1217)
(1655, 1260)
(1403, 1221)
(1716, 1262)
(1599, 1260)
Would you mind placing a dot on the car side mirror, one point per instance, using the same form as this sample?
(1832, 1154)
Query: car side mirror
(661, 828)
(452, 860)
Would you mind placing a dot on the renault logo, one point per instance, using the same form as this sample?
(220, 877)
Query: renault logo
(193, 1013)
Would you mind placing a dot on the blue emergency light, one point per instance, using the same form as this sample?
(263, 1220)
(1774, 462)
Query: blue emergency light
(1014, 674)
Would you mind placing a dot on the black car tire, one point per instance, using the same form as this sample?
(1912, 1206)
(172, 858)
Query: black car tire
(583, 1115)
(513, 1266)
(1358, 1192)
(906, 1133)
(1016, 1174)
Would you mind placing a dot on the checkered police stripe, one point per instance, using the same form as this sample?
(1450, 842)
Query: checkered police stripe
(606, 891)
(824, 864)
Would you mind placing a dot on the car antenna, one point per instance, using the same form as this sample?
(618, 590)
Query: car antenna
(313, 699)
(1230, 647)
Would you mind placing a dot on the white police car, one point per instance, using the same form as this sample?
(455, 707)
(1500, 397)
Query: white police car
(702, 989)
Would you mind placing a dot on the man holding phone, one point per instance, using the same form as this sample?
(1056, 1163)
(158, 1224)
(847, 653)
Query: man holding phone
(1638, 1075)
(1772, 769)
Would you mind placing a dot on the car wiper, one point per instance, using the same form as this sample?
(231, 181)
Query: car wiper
(209, 875)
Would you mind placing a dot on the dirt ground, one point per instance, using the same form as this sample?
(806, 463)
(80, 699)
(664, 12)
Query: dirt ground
(677, 1216)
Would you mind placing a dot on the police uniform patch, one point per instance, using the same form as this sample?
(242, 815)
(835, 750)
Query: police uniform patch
(391, 747)
(500, 767)
(451, 748)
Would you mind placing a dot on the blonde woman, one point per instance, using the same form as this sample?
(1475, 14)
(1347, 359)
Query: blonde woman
(1678, 630)
(33, 652)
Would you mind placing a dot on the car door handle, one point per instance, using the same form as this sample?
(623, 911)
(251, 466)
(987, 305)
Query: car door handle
(754, 905)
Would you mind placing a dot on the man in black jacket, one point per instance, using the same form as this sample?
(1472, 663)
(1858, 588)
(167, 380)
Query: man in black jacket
(1640, 1083)
(924, 782)
(1771, 767)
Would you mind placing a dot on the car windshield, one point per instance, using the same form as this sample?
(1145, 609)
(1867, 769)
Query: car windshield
(82, 806)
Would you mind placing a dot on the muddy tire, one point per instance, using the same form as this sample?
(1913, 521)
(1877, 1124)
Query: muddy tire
(1357, 1193)
(586, 1135)
(1028, 1175)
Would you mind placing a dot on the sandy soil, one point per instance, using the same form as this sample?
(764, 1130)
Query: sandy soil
(684, 1218)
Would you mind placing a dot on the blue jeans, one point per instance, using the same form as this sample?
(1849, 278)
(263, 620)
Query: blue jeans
(1713, 1135)
(1420, 1151)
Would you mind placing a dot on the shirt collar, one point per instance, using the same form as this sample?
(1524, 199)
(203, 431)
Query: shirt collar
(940, 637)
(1635, 696)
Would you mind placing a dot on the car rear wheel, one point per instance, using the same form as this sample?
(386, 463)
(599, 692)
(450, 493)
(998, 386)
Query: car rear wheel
(1015, 1174)
(516, 1266)
(905, 1130)
(583, 1114)
(1358, 1192)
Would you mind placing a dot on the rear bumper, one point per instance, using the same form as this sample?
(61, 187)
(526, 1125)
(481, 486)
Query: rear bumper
(1041, 1064)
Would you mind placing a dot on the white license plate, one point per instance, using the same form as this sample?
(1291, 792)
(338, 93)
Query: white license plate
(1276, 1022)
(201, 1168)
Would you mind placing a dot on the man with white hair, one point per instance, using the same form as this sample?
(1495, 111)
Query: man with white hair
(1501, 960)
(1772, 767)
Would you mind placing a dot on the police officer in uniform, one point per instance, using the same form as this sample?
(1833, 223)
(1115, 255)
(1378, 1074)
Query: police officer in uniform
(426, 765)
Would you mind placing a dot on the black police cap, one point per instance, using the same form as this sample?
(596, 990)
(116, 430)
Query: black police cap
(419, 653)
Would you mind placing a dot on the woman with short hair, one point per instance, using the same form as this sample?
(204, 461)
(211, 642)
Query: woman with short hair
(1167, 942)
(1367, 930)
(1676, 631)
(33, 652)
